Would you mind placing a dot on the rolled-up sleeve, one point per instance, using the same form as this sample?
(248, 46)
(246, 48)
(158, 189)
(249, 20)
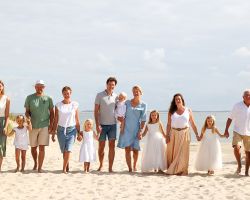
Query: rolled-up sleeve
(144, 113)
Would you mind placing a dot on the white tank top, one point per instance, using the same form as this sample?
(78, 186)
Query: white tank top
(67, 113)
(3, 101)
(180, 121)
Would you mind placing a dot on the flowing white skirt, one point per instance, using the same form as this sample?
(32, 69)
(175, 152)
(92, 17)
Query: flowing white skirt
(154, 153)
(209, 155)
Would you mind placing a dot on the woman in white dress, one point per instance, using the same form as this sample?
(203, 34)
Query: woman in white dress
(88, 151)
(154, 152)
(209, 156)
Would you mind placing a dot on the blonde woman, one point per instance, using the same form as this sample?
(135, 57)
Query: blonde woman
(178, 136)
(135, 118)
(4, 119)
(209, 155)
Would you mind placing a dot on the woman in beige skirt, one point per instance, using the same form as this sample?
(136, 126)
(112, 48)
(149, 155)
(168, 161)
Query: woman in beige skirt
(178, 136)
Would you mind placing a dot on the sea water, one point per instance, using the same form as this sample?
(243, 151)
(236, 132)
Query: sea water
(199, 118)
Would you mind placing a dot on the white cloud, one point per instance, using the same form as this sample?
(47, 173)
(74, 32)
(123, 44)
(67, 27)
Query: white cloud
(155, 59)
(244, 73)
(242, 52)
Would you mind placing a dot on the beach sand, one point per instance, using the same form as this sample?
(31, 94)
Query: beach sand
(52, 184)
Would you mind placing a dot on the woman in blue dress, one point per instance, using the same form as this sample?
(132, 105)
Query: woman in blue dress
(135, 119)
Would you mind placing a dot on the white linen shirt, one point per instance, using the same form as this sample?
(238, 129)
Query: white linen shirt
(241, 118)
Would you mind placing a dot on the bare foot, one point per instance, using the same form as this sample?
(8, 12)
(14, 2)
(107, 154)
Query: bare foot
(111, 170)
(35, 166)
(100, 168)
(160, 171)
(135, 169)
(40, 171)
(65, 172)
(130, 170)
(17, 169)
(238, 171)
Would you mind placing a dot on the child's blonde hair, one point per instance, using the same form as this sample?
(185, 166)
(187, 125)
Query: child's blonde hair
(20, 117)
(123, 94)
(158, 116)
(86, 121)
(205, 124)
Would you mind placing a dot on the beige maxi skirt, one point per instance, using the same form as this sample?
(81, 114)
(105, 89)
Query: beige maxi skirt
(178, 152)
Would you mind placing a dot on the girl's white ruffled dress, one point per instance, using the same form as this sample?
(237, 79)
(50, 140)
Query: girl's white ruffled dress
(154, 152)
(88, 151)
(209, 155)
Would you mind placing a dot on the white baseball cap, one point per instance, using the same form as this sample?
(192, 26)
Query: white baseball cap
(40, 82)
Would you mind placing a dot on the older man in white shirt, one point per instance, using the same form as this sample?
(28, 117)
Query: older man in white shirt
(240, 115)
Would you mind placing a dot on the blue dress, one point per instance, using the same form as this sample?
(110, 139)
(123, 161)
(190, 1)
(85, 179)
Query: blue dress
(133, 118)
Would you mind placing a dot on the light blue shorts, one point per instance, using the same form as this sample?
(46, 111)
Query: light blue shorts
(66, 139)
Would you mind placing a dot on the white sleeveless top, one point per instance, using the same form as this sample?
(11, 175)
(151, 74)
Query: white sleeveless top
(3, 101)
(180, 121)
(67, 113)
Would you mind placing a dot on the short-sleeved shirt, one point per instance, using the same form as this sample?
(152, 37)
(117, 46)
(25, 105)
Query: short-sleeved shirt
(39, 107)
(241, 118)
(107, 107)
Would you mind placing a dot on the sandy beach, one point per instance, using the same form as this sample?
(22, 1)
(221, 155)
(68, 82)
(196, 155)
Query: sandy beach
(52, 184)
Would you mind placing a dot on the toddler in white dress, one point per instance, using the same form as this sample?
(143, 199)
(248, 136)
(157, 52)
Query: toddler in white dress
(21, 140)
(87, 151)
(120, 110)
(209, 157)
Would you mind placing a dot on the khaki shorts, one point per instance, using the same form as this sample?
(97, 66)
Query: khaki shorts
(39, 136)
(237, 140)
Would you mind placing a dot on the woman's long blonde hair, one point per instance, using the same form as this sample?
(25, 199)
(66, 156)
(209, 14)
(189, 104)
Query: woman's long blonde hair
(205, 124)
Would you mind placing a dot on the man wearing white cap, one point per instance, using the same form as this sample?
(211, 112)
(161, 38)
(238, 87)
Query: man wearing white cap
(39, 107)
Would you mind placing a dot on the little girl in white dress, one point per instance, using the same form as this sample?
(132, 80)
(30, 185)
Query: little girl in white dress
(88, 151)
(209, 156)
(154, 152)
(21, 140)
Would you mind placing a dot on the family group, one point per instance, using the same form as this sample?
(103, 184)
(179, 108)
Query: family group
(165, 150)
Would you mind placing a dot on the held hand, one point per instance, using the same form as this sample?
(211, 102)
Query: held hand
(53, 138)
(5, 131)
(98, 129)
(226, 134)
(50, 129)
(198, 138)
(139, 135)
(79, 138)
(167, 139)
(28, 120)
(120, 119)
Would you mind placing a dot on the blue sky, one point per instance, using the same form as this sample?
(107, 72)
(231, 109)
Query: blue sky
(196, 47)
